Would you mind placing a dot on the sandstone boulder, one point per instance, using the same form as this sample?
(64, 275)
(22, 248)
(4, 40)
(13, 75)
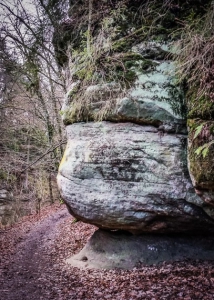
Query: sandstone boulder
(130, 177)
(126, 162)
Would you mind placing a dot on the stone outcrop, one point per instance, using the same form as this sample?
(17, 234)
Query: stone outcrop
(127, 176)
(153, 97)
(125, 165)
(121, 250)
(131, 172)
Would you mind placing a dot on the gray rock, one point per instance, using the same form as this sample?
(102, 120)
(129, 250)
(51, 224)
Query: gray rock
(154, 97)
(130, 177)
(154, 49)
(120, 250)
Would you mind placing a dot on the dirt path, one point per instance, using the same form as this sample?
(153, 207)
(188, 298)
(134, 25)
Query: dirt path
(21, 278)
(32, 267)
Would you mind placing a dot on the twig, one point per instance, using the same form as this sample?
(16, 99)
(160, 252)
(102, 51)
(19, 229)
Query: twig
(43, 155)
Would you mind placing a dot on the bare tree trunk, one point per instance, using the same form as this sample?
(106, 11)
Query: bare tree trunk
(50, 188)
(28, 159)
(56, 113)
(90, 8)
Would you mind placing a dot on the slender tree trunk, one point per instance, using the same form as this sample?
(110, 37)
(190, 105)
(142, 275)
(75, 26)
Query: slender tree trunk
(28, 159)
(56, 113)
(50, 188)
(90, 8)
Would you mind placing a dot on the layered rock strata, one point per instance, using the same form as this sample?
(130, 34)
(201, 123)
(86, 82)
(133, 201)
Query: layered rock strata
(125, 164)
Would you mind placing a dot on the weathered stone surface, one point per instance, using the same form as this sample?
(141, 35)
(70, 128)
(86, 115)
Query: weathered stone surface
(134, 176)
(154, 98)
(130, 177)
(120, 250)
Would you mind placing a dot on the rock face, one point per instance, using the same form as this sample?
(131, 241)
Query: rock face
(125, 164)
(121, 250)
(153, 98)
(126, 176)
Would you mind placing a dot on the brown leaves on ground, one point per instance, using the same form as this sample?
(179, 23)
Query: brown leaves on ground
(56, 280)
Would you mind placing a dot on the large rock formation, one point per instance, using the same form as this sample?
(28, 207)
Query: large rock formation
(128, 176)
(131, 161)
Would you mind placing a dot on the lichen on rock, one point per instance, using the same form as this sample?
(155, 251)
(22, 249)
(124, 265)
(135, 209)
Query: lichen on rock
(125, 176)
(125, 165)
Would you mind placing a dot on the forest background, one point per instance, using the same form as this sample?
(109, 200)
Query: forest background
(32, 86)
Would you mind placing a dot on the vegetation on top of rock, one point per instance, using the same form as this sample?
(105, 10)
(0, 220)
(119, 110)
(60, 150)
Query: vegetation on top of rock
(196, 64)
(96, 37)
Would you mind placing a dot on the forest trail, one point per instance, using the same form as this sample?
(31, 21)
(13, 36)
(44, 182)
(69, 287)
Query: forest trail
(20, 280)
(32, 267)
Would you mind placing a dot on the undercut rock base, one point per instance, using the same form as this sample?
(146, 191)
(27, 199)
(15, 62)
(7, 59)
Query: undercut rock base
(122, 250)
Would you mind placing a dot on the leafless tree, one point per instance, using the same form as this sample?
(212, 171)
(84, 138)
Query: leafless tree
(32, 89)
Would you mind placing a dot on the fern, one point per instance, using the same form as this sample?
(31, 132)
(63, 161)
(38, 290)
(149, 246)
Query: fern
(204, 149)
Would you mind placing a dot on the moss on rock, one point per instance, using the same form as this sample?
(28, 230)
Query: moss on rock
(201, 107)
(201, 166)
(104, 53)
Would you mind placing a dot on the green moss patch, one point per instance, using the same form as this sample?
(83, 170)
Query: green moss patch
(200, 107)
(201, 166)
